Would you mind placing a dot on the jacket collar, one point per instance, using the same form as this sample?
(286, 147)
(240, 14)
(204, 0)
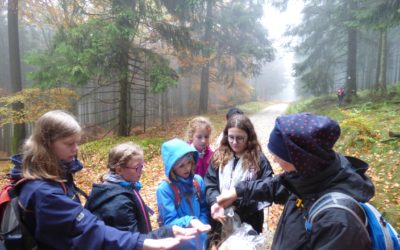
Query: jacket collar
(342, 175)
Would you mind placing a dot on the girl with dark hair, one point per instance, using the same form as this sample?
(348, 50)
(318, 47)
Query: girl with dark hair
(238, 158)
(302, 145)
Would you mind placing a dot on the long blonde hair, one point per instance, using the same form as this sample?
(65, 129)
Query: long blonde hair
(39, 160)
(251, 156)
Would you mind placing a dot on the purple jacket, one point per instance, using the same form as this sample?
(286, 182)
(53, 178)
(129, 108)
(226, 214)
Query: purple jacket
(203, 161)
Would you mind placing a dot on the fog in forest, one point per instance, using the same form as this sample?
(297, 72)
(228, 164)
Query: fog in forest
(121, 68)
(276, 81)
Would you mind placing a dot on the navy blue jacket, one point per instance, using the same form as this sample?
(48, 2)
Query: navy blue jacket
(124, 209)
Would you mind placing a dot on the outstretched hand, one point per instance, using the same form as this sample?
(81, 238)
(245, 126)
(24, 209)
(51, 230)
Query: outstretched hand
(160, 244)
(226, 198)
(199, 226)
(184, 233)
(218, 213)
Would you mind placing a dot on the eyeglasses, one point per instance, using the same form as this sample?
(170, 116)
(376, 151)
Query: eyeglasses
(138, 167)
(239, 139)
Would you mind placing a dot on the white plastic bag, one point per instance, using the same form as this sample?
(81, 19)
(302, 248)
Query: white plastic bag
(232, 222)
(245, 237)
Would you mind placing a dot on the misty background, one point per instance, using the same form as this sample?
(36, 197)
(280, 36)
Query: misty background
(122, 66)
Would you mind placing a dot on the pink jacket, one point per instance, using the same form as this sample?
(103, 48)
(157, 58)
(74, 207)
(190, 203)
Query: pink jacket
(203, 161)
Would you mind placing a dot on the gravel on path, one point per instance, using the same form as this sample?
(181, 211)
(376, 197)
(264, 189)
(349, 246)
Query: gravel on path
(264, 122)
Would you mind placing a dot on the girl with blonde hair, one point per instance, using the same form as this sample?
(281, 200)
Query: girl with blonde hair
(117, 201)
(198, 133)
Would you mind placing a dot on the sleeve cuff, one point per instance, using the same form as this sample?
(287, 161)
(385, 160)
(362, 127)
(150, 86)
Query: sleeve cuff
(240, 189)
(140, 241)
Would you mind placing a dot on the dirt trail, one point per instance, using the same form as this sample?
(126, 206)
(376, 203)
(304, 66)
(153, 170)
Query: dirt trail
(264, 122)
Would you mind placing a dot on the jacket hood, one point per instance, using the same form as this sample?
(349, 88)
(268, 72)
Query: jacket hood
(173, 150)
(346, 175)
(68, 167)
(71, 167)
(16, 171)
(104, 193)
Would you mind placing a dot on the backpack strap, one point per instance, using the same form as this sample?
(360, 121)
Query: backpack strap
(81, 192)
(337, 200)
(380, 229)
(4, 195)
(197, 187)
(177, 192)
(15, 187)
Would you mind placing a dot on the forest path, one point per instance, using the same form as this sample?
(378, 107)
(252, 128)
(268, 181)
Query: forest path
(264, 122)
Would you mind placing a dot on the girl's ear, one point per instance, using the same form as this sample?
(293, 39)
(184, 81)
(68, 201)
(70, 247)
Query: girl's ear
(118, 170)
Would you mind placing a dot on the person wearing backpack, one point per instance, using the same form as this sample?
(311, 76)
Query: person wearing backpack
(117, 201)
(302, 145)
(181, 198)
(340, 95)
(49, 206)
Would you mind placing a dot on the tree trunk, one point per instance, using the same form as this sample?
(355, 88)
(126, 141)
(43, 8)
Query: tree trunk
(205, 73)
(351, 67)
(397, 68)
(123, 108)
(382, 60)
(123, 45)
(378, 63)
(15, 70)
(164, 109)
(145, 105)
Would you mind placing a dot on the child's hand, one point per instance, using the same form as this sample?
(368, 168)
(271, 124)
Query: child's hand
(160, 244)
(226, 198)
(184, 233)
(217, 213)
(202, 228)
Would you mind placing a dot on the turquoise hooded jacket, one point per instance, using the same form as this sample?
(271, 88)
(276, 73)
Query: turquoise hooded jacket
(190, 206)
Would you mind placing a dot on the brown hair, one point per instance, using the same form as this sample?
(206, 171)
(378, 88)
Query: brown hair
(39, 160)
(121, 154)
(196, 123)
(224, 153)
(172, 174)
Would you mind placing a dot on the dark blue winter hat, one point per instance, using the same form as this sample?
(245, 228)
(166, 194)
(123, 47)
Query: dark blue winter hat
(307, 140)
(276, 144)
